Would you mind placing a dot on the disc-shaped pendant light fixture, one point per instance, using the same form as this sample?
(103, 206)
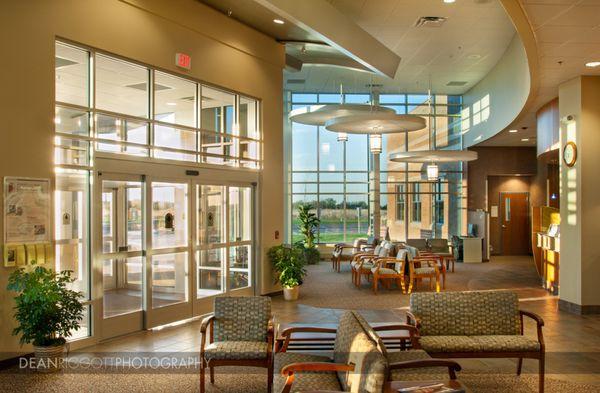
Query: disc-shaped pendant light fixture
(375, 123)
(434, 156)
(318, 115)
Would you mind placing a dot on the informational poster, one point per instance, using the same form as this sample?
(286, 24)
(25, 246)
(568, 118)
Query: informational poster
(27, 210)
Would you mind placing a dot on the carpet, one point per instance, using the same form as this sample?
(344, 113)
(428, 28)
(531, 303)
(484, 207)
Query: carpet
(324, 288)
(240, 381)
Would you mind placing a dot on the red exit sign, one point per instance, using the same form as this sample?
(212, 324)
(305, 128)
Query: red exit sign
(184, 61)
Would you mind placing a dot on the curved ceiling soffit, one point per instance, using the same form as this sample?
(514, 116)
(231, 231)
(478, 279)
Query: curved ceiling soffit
(520, 20)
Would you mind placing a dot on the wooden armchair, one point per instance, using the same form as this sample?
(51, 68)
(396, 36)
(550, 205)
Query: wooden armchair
(343, 252)
(390, 269)
(235, 341)
(441, 248)
(364, 262)
(421, 267)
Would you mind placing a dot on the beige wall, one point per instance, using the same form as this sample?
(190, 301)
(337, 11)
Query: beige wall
(224, 52)
(507, 85)
(579, 202)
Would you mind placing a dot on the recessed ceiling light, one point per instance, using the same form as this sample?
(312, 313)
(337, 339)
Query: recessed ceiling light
(449, 1)
(524, 139)
(278, 21)
(171, 103)
(592, 64)
(513, 131)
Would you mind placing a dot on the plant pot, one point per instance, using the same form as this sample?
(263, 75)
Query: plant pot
(49, 359)
(291, 293)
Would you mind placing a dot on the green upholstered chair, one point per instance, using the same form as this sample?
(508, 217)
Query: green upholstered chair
(241, 334)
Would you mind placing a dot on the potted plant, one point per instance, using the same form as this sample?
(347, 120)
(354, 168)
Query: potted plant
(47, 312)
(309, 222)
(288, 264)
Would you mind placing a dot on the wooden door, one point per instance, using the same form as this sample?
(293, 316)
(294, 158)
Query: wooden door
(514, 223)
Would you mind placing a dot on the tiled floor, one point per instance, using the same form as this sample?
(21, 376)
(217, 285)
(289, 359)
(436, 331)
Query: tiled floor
(573, 342)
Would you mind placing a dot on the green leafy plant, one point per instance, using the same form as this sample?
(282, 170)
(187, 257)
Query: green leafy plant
(46, 310)
(288, 264)
(309, 222)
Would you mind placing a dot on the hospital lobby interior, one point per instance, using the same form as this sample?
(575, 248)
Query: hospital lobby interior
(285, 196)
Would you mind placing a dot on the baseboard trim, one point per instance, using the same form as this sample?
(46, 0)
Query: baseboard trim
(276, 293)
(13, 361)
(573, 308)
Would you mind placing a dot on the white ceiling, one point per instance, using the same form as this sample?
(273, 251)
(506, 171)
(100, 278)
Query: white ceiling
(567, 33)
(465, 48)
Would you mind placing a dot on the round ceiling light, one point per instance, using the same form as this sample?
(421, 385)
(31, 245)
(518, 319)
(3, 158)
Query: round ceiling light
(318, 115)
(375, 123)
(434, 156)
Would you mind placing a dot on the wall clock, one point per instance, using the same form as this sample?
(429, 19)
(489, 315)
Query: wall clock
(570, 153)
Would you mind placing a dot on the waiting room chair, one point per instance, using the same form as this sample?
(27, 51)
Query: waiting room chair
(390, 269)
(419, 244)
(443, 249)
(343, 252)
(422, 266)
(241, 334)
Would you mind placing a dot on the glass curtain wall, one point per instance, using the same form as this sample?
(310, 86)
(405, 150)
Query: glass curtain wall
(333, 176)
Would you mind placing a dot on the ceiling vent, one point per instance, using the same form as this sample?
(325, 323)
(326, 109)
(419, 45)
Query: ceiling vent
(430, 21)
(296, 81)
(60, 62)
(456, 83)
(142, 86)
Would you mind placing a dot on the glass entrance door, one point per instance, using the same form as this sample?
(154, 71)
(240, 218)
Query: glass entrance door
(167, 247)
(169, 253)
(224, 243)
(122, 253)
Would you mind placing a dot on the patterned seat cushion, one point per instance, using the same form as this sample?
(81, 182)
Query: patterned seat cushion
(512, 343)
(303, 381)
(425, 270)
(236, 350)
(385, 270)
(432, 373)
(493, 343)
(366, 265)
(478, 313)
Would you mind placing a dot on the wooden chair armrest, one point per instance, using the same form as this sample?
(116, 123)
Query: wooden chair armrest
(411, 319)
(289, 370)
(412, 330)
(287, 334)
(206, 322)
(540, 325)
(315, 366)
(452, 366)
(533, 316)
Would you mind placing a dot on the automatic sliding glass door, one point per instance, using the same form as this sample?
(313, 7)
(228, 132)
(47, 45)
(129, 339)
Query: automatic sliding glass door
(169, 253)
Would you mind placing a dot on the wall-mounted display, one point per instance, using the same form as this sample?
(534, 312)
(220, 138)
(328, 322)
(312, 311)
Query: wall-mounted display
(27, 210)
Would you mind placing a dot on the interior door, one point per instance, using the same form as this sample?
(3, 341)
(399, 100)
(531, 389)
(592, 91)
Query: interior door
(120, 200)
(514, 223)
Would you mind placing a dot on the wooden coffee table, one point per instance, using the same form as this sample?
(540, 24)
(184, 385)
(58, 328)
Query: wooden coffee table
(310, 341)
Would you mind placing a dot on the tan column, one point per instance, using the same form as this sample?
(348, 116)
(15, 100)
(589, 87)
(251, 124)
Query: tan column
(579, 107)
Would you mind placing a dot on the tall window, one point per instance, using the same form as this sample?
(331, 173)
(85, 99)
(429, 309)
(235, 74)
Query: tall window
(400, 202)
(416, 203)
(333, 176)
